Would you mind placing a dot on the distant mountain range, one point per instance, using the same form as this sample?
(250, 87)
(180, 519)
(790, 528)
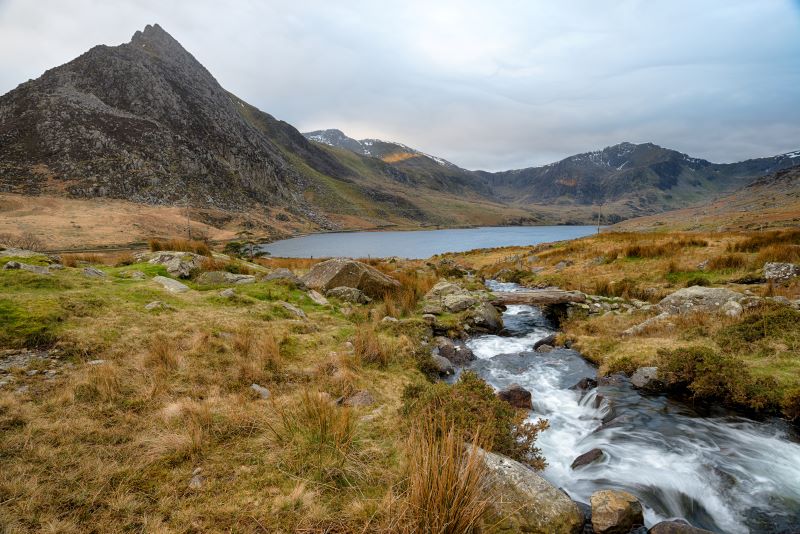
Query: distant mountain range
(623, 180)
(146, 122)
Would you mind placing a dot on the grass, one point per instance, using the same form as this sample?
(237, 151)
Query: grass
(180, 245)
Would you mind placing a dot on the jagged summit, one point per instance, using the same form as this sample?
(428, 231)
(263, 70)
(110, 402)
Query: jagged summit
(154, 39)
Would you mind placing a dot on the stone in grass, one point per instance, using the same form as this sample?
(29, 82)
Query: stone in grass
(442, 365)
(227, 293)
(360, 398)
(173, 286)
(157, 305)
(317, 298)
(35, 269)
(294, 310)
(92, 272)
(259, 390)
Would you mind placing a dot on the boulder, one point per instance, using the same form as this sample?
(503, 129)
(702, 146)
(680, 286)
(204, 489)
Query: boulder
(444, 288)
(641, 327)
(455, 351)
(442, 365)
(732, 308)
(157, 305)
(349, 273)
(698, 299)
(517, 396)
(780, 272)
(547, 340)
(317, 298)
(646, 378)
(285, 275)
(525, 502)
(360, 398)
(544, 348)
(485, 318)
(587, 458)
(676, 526)
(291, 308)
(458, 302)
(173, 286)
(135, 275)
(227, 293)
(180, 264)
(215, 278)
(615, 512)
(92, 272)
(432, 308)
(348, 294)
(35, 269)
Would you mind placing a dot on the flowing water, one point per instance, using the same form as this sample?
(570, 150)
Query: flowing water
(719, 471)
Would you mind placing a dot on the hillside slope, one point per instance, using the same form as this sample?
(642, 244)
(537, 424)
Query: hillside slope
(771, 201)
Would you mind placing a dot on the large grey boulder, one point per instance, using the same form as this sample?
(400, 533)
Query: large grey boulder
(348, 294)
(291, 308)
(485, 318)
(698, 299)
(212, 278)
(173, 286)
(615, 512)
(523, 501)
(180, 264)
(458, 302)
(443, 288)
(345, 272)
(780, 272)
(93, 272)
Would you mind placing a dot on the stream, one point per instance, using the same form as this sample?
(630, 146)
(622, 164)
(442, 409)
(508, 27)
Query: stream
(719, 471)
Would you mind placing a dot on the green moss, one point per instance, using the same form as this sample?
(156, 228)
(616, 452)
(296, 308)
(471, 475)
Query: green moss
(35, 326)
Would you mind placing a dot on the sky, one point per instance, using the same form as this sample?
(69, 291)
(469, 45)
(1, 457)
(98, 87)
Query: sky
(487, 85)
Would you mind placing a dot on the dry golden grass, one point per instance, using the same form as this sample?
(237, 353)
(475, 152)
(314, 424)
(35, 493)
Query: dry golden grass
(180, 245)
(293, 264)
(447, 490)
(112, 259)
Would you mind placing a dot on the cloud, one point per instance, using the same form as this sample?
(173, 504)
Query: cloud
(486, 85)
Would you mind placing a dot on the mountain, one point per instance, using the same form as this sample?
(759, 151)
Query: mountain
(146, 122)
(770, 201)
(419, 168)
(631, 179)
(618, 182)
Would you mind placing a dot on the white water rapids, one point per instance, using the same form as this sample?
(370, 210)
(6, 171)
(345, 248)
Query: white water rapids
(719, 471)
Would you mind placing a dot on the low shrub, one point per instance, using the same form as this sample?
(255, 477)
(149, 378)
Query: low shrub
(764, 239)
(712, 376)
(768, 324)
(778, 253)
(727, 261)
(471, 406)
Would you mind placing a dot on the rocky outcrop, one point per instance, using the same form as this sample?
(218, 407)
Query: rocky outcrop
(340, 272)
(615, 512)
(517, 396)
(36, 269)
(291, 308)
(455, 351)
(214, 278)
(180, 264)
(547, 340)
(348, 294)
(780, 272)
(698, 299)
(525, 502)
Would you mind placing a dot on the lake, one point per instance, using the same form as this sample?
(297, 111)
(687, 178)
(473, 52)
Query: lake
(419, 244)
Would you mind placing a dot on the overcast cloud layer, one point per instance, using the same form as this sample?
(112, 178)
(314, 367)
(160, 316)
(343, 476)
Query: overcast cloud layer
(491, 85)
